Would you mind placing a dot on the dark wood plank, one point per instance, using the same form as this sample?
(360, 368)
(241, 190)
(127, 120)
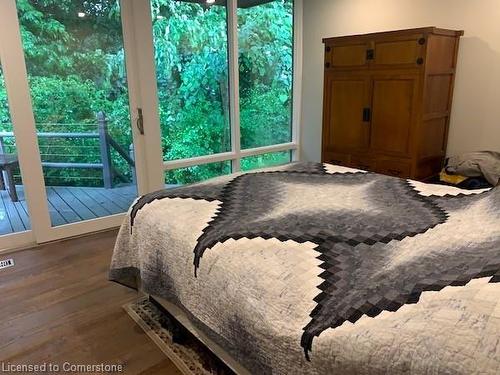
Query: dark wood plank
(66, 205)
(59, 306)
(39, 263)
(62, 207)
(23, 214)
(127, 192)
(160, 368)
(90, 203)
(104, 201)
(5, 227)
(75, 204)
(13, 214)
(106, 194)
(55, 217)
(22, 208)
(121, 200)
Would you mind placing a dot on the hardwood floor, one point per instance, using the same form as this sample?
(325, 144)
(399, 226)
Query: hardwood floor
(56, 306)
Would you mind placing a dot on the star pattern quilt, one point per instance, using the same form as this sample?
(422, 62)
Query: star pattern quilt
(283, 261)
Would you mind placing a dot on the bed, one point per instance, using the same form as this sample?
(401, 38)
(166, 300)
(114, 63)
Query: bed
(312, 268)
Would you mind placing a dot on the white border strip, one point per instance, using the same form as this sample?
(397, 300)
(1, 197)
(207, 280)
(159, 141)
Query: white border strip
(217, 158)
(269, 149)
(234, 82)
(183, 163)
(298, 11)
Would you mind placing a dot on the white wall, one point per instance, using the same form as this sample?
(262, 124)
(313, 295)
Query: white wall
(475, 120)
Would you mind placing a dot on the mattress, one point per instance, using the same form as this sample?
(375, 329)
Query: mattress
(313, 268)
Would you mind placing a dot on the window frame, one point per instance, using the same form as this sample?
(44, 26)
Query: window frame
(143, 98)
(236, 153)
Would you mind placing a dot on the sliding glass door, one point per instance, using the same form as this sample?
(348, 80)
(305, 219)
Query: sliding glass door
(110, 99)
(75, 57)
(79, 111)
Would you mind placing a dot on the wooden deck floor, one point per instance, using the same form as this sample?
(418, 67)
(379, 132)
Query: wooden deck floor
(66, 205)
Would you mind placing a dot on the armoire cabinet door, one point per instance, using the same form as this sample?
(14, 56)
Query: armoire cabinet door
(347, 126)
(394, 104)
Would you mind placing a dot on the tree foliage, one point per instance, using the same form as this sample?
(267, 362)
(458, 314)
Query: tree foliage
(76, 68)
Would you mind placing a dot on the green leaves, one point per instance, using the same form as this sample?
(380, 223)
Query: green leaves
(76, 68)
(191, 59)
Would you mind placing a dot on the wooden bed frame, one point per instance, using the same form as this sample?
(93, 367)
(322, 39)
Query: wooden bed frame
(180, 316)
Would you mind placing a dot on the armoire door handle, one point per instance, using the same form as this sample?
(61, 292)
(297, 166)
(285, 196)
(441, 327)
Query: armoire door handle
(370, 54)
(367, 114)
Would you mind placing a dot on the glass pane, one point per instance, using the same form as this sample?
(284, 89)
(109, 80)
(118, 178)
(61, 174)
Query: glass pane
(266, 160)
(197, 173)
(190, 41)
(14, 216)
(265, 35)
(76, 70)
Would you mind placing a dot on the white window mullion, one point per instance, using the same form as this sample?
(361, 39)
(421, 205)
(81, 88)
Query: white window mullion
(234, 82)
(199, 160)
(297, 77)
(226, 156)
(269, 149)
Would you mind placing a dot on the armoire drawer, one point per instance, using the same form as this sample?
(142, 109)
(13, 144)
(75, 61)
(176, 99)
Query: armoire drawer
(399, 51)
(394, 167)
(346, 55)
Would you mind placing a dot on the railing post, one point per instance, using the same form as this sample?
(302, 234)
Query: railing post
(132, 167)
(107, 173)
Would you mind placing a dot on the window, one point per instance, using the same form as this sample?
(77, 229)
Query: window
(191, 56)
(224, 70)
(79, 73)
(196, 173)
(265, 36)
(265, 160)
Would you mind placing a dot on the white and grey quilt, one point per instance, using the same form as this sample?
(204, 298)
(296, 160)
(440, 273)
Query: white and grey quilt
(316, 269)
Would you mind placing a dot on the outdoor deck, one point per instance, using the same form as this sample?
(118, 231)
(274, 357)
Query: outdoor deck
(66, 205)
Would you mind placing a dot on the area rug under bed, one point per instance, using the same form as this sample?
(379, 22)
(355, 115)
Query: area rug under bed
(191, 357)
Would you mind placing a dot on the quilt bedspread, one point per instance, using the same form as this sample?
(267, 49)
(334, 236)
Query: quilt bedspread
(316, 269)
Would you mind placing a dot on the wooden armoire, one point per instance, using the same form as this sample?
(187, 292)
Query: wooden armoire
(387, 100)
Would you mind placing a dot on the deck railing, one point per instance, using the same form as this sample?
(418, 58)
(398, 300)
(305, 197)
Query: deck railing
(106, 143)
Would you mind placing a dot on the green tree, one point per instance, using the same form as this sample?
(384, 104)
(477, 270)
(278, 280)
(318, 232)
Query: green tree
(76, 68)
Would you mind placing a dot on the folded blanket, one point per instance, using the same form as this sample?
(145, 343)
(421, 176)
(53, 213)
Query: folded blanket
(476, 164)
